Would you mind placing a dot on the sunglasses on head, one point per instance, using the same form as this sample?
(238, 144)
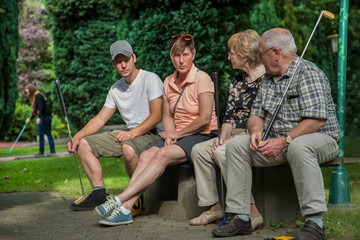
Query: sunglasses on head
(186, 37)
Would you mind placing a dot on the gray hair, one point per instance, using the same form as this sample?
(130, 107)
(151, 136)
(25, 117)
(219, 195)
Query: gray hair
(281, 38)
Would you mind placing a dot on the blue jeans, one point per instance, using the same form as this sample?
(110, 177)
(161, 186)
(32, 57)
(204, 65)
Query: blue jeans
(45, 128)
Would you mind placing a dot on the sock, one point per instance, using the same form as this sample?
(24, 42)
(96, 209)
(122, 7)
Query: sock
(125, 211)
(117, 200)
(99, 188)
(243, 217)
(316, 218)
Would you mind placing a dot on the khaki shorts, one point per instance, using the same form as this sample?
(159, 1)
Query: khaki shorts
(104, 145)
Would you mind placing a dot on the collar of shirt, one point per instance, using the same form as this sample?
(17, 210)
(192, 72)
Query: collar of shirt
(191, 78)
(289, 72)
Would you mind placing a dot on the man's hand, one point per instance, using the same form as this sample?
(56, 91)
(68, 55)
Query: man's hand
(74, 146)
(272, 147)
(38, 121)
(27, 120)
(255, 139)
(173, 134)
(124, 136)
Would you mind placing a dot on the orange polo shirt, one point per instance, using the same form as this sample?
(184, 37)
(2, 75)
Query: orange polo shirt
(187, 109)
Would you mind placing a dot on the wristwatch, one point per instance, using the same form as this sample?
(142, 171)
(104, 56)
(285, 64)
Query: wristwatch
(288, 139)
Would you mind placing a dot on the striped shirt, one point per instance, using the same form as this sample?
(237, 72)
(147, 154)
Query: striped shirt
(309, 96)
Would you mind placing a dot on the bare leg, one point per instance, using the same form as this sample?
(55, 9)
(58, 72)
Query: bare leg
(164, 157)
(90, 164)
(130, 159)
(254, 212)
(215, 207)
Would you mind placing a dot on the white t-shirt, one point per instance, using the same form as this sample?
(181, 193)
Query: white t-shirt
(132, 101)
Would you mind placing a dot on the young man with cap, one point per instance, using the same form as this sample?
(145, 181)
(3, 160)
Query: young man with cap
(138, 97)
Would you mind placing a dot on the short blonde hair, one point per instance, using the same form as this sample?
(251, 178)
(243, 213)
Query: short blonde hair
(246, 44)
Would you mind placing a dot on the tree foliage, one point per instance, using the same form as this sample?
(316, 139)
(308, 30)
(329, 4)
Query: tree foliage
(9, 45)
(34, 54)
(83, 31)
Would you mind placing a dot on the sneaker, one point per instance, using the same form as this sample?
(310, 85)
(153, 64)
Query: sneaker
(233, 226)
(40, 154)
(105, 210)
(311, 231)
(117, 218)
(136, 209)
(94, 199)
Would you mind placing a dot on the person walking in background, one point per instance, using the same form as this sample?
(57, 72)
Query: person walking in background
(43, 121)
(189, 118)
(243, 55)
(138, 97)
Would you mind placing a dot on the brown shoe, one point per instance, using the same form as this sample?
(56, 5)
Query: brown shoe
(233, 226)
(311, 231)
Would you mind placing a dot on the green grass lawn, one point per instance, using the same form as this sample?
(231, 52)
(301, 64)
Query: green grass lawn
(30, 150)
(60, 175)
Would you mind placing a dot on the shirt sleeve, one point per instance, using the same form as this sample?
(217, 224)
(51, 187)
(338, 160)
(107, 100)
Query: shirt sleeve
(205, 84)
(313, 93)
(110, 102)
(154, 87)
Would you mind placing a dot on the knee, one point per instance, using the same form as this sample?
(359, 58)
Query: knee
(161, 157)
(195, 152)
(146, 157)
(128, 152)
(219, 154)
(83, 146)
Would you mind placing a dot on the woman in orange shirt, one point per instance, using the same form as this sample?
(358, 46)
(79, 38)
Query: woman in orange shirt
(189, 118)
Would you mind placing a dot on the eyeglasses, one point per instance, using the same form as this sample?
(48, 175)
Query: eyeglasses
(186, 37)
(230, 54)
(262, 53)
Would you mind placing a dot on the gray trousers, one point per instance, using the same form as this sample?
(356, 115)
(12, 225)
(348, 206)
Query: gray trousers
(304, 154)
(205, 169)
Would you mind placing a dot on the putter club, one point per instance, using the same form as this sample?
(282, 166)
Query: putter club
(57, 83)
(271, 123)
(18, 137)
(217, 108)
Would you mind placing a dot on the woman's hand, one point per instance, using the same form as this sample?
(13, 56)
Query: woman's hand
(173, 134)
(169, 141)
(38, 121)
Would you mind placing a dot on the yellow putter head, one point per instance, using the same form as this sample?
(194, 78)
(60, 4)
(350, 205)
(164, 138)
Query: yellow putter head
(284, 238)
(328, 14)
(80, 199)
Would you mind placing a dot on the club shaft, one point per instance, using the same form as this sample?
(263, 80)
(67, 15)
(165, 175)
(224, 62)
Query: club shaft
(57, 83)
(18, 137)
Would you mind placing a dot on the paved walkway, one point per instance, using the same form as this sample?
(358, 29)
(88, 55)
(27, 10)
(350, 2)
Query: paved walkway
(46, 215)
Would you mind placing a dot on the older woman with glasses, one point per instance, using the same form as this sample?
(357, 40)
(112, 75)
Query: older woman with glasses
(189, 118)
(243, 55)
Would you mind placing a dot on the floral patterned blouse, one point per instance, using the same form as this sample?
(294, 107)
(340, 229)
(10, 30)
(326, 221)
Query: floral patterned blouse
(241, 98)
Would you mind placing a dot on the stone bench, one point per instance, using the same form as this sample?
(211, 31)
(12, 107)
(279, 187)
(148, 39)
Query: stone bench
(174, 193)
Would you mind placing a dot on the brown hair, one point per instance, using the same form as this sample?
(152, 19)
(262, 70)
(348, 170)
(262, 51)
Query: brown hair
(180, 44)
(246, 44)
(32, 89)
